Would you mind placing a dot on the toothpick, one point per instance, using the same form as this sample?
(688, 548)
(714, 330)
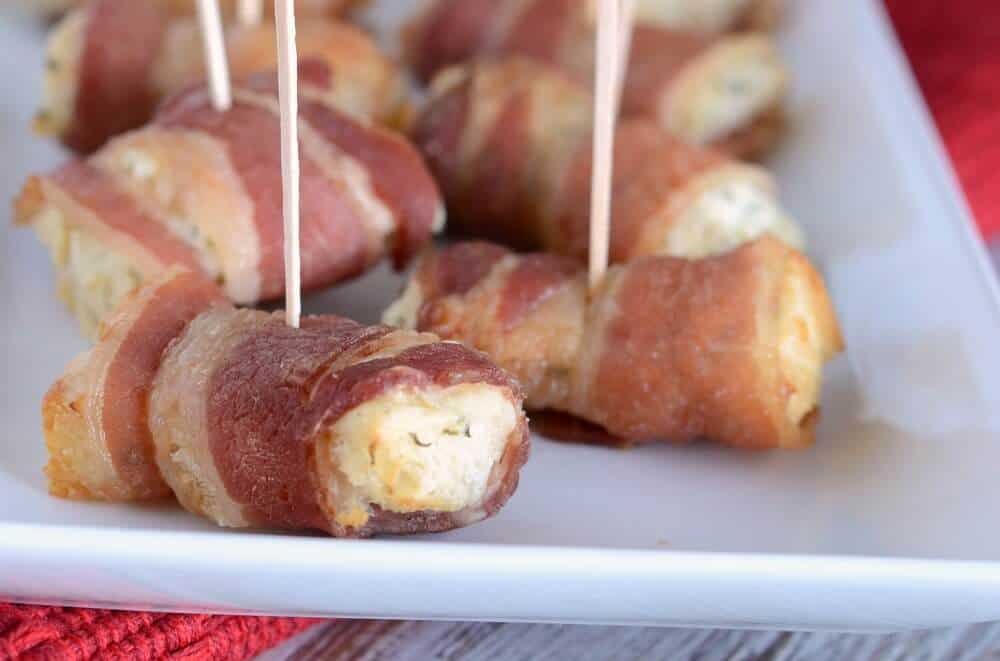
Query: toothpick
(627, 21)
(608, 28)
(288, 99)
(215, 54)
(249, 12)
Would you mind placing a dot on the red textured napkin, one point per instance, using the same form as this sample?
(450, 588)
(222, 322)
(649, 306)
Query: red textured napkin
(955, 50)
(79, 634)
(954, 47)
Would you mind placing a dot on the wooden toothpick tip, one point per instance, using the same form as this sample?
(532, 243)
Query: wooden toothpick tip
(288, 99)
(215, 54)
(608, 31)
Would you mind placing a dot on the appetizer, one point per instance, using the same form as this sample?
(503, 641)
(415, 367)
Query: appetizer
(354, 430)
(109, 63)
(724, 91)
(509, 141)
(202, 189)
(728, 348)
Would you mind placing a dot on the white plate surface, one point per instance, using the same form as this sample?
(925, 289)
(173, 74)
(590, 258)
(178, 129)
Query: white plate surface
(888, 523)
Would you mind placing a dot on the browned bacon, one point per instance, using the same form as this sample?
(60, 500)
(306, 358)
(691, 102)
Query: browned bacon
(354, 430)
(395, 172)
(114, 60)
(510, 143)
(729, 348)
(202, 189)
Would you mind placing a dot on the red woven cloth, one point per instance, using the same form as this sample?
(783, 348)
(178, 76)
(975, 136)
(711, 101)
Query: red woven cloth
(79, 634)
(954, 47)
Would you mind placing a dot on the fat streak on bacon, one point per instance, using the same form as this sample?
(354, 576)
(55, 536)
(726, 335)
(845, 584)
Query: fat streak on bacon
(354, 430)
(509, 141)
(202, 189)
(729, 348)
(726, 91)
(109, 63)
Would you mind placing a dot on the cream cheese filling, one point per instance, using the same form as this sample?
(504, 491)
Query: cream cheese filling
(407, 451)
(402, 313)
(801, 349)
(727, 213)
(726, 89)
(91, 279)
(60, 81)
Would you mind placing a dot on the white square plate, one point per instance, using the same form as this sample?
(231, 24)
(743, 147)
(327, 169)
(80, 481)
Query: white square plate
(888, 523)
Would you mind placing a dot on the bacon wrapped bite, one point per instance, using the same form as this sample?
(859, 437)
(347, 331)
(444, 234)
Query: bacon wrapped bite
(109, 63)
(729, 348)
(354, 430)
(202, 189)
(509, 141)
(723, 91)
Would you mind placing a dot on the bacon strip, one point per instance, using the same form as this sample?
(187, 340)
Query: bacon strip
(249, 421)
(121, 43)
(402, 180)
(98, 436)
(509, 141)
(729, 348)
